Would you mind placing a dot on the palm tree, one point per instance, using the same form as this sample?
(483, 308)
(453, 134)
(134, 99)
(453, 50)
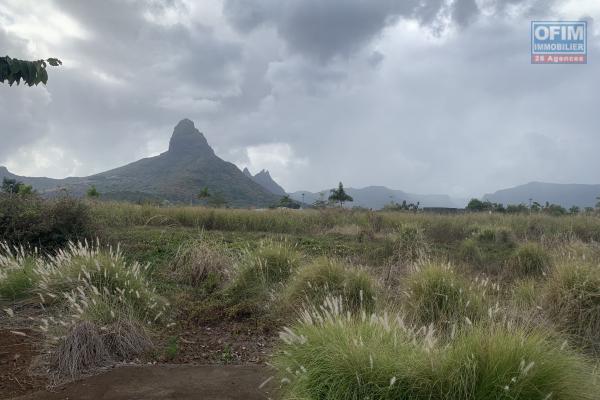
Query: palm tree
(339, 195)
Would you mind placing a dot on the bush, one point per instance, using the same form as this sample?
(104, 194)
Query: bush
(436, 294)
(258, 273)
(572, 301)
(201, 264)
(48, 224)
(335, 356)
(313, 283)
(529, 260)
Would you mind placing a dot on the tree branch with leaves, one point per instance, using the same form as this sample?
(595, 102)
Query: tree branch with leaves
(30, 72)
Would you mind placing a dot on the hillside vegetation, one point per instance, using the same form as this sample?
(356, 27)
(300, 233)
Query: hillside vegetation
(345, 304)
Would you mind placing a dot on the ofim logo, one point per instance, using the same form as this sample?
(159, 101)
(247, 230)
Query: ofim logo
(559, 42)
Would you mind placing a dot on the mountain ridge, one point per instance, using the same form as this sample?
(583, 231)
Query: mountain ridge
(376, 197)
(564, 194)
(264, 179)
(176, 175)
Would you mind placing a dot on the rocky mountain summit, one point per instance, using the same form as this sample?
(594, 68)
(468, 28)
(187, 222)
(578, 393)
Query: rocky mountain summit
(176, 175)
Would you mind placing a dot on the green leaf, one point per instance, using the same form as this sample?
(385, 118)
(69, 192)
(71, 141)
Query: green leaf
(55, 62)
(44, 76)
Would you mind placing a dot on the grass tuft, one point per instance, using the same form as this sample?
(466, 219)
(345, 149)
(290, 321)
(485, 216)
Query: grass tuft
(529, 260)
(436, 294)
(312, 284)
(572, 301)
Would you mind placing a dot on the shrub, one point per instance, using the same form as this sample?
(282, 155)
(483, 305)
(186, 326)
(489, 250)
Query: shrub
(312, 284)
(572, 301)
(529, 260)
(436, 294)
(70, 220)
(48, 224)
(258, 273)
(201, 264)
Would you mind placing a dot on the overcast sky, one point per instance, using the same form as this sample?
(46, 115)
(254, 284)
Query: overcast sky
(427, 96)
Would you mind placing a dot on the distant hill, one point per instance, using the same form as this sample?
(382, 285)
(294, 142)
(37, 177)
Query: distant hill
(564, 194)
(263, 178)
(176, 175)
(376, 197)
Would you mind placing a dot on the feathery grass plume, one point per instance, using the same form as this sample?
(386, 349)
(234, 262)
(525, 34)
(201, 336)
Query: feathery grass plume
(499, 361)
(18, 274)
(99, 282)
(313, 283)
(529, 260)
(259, 271)
(436, 294)
(328, 354)
(571, 298)
(200, 263)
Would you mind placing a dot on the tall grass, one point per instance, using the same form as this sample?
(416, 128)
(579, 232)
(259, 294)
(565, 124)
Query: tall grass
(99, 305)
(17, 273)
(332, 355)
(529, 260)
(441, 229)
(313, 283)
(435, 294)
(200, 263)
(571, 298)
(258, 273)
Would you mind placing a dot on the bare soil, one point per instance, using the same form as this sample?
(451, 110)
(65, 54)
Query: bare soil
(183, 382)
(16, 355)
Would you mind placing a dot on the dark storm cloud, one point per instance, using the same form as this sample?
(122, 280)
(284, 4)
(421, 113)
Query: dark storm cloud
(388, 89)
(325, 29)
(127, 80)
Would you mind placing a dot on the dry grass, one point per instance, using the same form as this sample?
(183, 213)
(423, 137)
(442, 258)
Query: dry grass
(85, 348)
(198, 263)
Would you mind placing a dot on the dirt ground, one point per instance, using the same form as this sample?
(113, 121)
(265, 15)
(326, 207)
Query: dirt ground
(16, 355)
(183, 382)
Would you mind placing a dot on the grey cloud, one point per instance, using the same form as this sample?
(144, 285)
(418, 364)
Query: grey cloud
(466, 116)
(326, 29)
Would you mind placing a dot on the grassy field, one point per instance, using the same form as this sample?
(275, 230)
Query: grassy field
(345, 304)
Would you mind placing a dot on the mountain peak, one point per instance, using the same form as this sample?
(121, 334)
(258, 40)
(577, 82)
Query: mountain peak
(246, 172)
(186, 139)
(264, 172)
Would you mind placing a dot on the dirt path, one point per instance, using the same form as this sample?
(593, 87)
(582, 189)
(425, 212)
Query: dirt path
(218, 382)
